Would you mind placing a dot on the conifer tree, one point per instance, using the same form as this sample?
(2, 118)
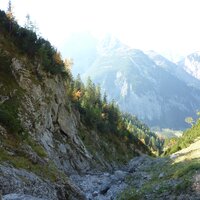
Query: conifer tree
(9, 10)
(30, 25)
(10, 15)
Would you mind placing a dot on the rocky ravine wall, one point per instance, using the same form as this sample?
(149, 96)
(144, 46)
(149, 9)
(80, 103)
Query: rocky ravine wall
(50, 121)
(46, 115)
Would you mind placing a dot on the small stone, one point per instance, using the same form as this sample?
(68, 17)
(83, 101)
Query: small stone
(173, 156)
(106, 174)
(95, 194)
(161, 175)
(120, 174)
(104, 190)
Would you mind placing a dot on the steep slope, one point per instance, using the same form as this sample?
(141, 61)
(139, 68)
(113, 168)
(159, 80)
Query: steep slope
(43, 139)
(142, 87)
(176, 176)
(189, 136)
(173, 177)
(163, 178)
(175, 69)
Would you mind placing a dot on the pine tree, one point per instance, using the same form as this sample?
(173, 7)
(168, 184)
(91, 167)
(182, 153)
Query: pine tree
(30, 25)
(10, 15)
(9, 10)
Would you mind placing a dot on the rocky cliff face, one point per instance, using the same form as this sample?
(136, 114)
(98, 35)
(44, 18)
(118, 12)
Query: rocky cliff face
(45, 113)
(42, 139)
(47, 121)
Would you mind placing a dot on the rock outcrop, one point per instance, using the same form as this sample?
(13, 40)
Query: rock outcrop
(47, 142)
(44, 113)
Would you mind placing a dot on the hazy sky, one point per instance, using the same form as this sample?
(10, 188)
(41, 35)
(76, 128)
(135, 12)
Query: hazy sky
(171, 26)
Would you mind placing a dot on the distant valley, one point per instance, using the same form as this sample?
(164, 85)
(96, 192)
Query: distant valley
(63, 139)
(159, 92)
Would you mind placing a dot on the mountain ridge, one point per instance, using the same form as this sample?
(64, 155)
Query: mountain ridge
(150, 87)
(49, 129)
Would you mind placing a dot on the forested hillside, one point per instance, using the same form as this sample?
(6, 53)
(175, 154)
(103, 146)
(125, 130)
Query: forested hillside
(189, 136)
(53, 125)
(145, 84)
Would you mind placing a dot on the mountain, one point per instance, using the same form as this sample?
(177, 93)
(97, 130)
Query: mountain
(52, 126)
(191, 64)
(176, 69)
(145, 84)
(59, 139)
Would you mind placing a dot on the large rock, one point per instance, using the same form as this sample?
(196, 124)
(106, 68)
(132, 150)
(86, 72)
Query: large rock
(21, 184)
(46, 115)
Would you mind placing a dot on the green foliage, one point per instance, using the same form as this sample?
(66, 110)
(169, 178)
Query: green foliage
(27, 42)
(9, 121)
(9, 115)
(36, 147)
(5, 62)
(189, 120)
(106, 117)
(129, 194)
(9, 108)
(142, 131)
(187, 138)
(177, 179)
(47, 171)
(184, 185)
(187, 169)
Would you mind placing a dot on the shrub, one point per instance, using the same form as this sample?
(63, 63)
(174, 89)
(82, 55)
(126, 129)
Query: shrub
(9, 121)
(28, 43)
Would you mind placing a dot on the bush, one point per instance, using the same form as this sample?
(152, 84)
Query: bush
(187, 138)
(9, 121)
(5, 62)
(28, 43)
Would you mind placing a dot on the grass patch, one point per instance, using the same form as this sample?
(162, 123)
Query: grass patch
(183, 169)
(176, 179)
(130, 194)
(108, 147)
(37, 148)
(183, 186)
(45, 171)
(11, 153)
(188, 137)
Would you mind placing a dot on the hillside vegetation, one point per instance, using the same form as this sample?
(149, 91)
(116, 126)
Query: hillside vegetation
(53, 125)
(142, 83)
(189, 136)
(57, 134)
(96, 112)
(175, 176)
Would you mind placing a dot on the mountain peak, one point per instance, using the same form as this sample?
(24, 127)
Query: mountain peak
(191, 64)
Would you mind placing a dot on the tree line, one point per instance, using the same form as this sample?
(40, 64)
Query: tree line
(107, 118)
(95, 110)
(34, 46)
